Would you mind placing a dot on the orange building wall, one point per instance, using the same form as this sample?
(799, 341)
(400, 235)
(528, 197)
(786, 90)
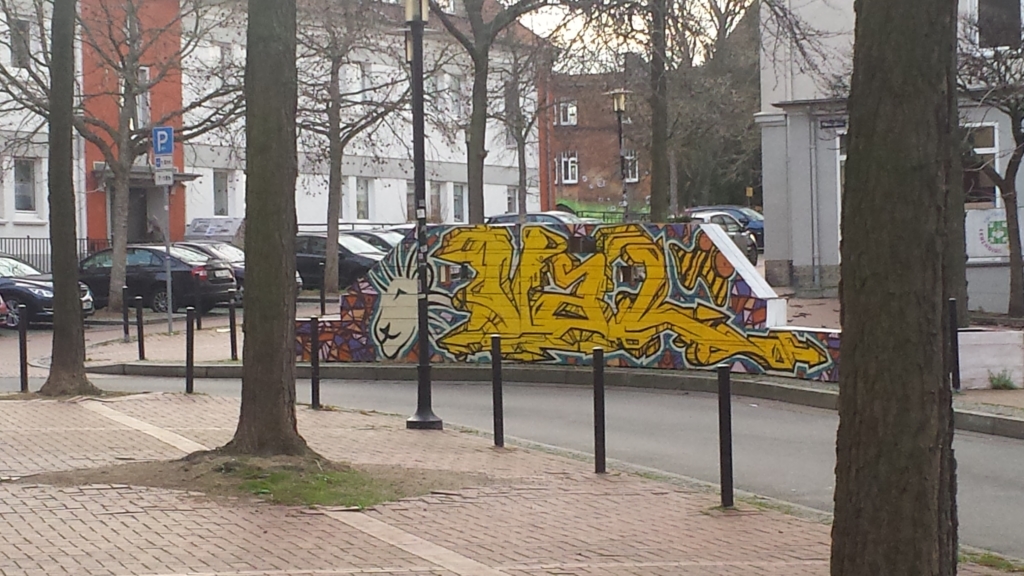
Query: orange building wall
(159, 27)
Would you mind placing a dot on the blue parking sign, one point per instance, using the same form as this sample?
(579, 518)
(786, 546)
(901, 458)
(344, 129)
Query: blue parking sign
(163, 140)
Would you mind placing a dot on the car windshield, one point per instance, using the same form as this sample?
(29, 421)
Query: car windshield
(568, 217)
(229, 252)
(752, 214)
(357, 245)
(11, 268)
(392, 237)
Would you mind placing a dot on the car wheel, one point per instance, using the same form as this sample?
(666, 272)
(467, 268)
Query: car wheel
(752, 254)
(158, 302)
(13, 319)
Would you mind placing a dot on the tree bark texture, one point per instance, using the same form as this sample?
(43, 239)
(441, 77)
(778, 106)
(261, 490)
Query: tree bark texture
(659, 114)
(956, 247)
(119, 232)
(336, 150)
(477, 142)
(67, 368)
(1009, 194)
(895, 511)
(266, 424)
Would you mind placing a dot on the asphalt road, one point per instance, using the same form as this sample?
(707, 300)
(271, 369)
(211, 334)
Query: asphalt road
(780, 450)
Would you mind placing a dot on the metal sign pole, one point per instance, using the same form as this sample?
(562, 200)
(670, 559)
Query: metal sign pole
(167, 261)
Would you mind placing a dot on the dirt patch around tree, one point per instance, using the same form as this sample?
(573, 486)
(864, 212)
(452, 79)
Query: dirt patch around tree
(286, 480)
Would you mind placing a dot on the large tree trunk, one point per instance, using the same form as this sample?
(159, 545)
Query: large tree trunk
(119, 233)
(336, 149)
(266, 424)
(477, 141)
(1009, 194)
(956, 246)
(67, 368)
(659, 115)
(894, 497)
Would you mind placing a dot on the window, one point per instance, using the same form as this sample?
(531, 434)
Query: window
(455, 95)
(21, 45)
(567, 113)
(435, 202)
(459, 202)
(568, 168)
(25, 185)
(410, 201)
(999, 23)
(631, 168)
(142, 99)
(224, 55)
(362, 198)
(978, 187)
(512, 199)
(365, 83)
(220, 193)
(841, 144)
(99, 261)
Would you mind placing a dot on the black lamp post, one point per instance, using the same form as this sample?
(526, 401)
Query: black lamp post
(619, 106)
(416, 14)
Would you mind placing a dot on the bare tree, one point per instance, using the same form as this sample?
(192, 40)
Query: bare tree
(477, 35)
(341, 98)
(67, 368)
(266, 423)
(895, 495)
(134, 52)
(995, 78)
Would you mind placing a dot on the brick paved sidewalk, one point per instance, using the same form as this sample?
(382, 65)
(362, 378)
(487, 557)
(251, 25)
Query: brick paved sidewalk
(549, 515)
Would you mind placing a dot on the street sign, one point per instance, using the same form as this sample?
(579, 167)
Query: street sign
(750, 192)
(163, 162)
(163, 141)
(163, 177)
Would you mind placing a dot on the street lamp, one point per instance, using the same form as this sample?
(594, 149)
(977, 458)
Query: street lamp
(416, 14)
(619, 106)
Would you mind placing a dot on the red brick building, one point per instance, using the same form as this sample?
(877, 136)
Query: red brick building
(580, 150)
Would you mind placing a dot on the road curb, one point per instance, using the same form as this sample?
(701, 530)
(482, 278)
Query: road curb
(692, 381)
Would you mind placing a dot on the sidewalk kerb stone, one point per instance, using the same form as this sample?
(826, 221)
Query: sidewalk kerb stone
(167, 437)
(457, 563)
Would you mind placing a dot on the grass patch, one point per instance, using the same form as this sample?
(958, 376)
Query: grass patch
(1001, 381)
(315, 487)
(990, 560)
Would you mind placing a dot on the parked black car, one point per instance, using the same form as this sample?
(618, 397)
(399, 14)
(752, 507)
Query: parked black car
(20, 283)
(234, 256)
(196, 279)
(355, 258)
(383, 240)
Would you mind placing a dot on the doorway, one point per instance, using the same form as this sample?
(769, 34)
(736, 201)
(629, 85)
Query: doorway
(138, 216)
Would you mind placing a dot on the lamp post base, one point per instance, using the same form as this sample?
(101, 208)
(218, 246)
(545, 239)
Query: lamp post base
(424, 421)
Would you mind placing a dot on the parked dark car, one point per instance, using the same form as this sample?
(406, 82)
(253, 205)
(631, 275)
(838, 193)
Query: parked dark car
(749, 218)
(383, 240)
(20, 283)
(196, 279)
(355, 258)
(550, 217)
(234, 256)
(743, 238)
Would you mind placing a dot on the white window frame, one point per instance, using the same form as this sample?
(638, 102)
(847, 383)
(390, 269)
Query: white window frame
(459, 207)
(994, 151)
(365, 81)
(226, 175)
(410, 201)
(569, 167)
(15, 61)
(34, 171)
(632, 166)
(973, 12)
(435, 204)
(364, 193)
(568, 113)
(453, 94)
(511, 199)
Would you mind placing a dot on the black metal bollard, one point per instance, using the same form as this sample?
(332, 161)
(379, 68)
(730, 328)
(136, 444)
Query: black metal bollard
(139, 330)
(599, 452)
(314, 361)
(23, 345)
(190, 341)
(124, 313)
(232, 323)
(954, 345)
(498, 401)
(725, 434)
(323, 290)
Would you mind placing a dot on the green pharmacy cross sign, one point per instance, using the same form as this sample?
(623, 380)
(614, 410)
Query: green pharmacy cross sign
(996, 233)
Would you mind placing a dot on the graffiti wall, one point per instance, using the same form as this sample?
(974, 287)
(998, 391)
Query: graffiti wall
(655, 296)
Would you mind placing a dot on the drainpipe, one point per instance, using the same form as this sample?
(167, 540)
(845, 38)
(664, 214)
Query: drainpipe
(815, 248)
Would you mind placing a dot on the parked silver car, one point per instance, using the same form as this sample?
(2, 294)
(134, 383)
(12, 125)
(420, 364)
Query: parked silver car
(743, 238)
